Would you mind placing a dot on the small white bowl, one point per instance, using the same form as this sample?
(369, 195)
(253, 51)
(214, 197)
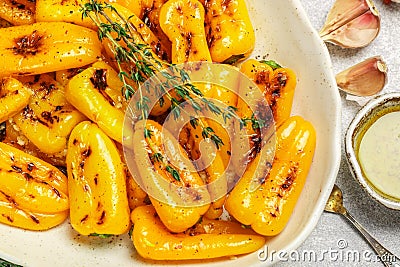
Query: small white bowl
(372, 111)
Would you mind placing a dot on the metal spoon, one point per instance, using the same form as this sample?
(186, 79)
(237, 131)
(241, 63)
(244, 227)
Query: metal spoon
(335, 205)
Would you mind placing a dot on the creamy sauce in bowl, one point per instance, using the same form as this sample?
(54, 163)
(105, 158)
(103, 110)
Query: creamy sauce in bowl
(372, 146)
(379, 154)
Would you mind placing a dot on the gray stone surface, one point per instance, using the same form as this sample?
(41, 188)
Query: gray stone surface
(334, 241)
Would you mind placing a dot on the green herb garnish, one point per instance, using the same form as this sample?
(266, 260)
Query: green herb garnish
(273, 64)
(101, 235)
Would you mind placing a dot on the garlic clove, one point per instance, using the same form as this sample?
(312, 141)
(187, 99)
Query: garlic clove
(357, 33)
(342, 12)
(365, 78)
(351, 23)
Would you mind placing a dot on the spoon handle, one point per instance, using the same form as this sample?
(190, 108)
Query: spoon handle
(387, 258)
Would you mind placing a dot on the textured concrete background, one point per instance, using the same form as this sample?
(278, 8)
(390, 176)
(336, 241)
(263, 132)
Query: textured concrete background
(334, 241)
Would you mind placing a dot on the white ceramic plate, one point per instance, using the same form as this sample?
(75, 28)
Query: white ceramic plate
(283, 33)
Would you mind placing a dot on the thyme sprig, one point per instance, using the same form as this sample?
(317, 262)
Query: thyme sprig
(137, 64)
(157, 156)
(142, 65)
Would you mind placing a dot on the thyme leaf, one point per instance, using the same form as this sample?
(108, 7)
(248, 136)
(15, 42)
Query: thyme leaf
(157, 157)
(148, 133)
(272, 63)
(101, 235)
(173, 172)
(233, 59)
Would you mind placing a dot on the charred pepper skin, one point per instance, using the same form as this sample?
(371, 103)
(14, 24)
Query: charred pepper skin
(96, 92)
(48, 119)
(230, 33)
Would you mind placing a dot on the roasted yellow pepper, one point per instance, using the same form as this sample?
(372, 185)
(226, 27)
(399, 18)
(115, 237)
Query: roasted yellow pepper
(70, 11)
(224, 128)
(136, 196)
(190, 138)
(153, 240)
(135, 6)
(154, 168)
(48, 119)
(14, 137)
(277, 84)
(230, 34)
(14, 96)
(18, 12)
(62, 10)
(149, 14)
(268, 208)
(142, 34)
(181, 21)
(33, 194)
(46, 47)
(96, 183)
(218, 227)
(148, 11)
(96, 92)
